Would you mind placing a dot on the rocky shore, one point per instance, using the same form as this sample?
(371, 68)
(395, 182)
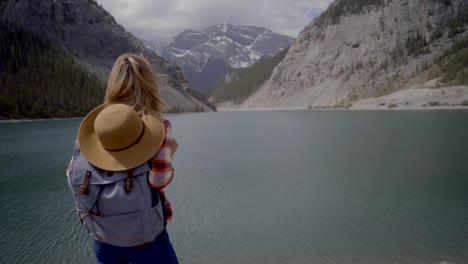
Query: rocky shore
(446, 97)
(426, 98)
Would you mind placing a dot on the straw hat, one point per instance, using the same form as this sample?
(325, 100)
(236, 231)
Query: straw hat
(114, 137)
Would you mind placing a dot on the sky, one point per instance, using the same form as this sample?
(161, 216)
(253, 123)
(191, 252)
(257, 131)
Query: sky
(164, 19)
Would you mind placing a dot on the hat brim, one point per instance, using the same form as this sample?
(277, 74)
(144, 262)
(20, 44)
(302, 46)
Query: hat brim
(129, 158)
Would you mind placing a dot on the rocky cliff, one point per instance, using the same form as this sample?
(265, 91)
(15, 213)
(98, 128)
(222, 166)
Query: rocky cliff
(88, 33)
(364, 49)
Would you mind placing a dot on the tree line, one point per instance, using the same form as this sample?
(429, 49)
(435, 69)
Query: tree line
(40, 81)
(453, 64)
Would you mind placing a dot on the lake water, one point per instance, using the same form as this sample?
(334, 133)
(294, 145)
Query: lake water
(266, 187)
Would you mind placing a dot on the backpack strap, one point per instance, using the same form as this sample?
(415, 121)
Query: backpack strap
(161, 198)
(156, 197)
(96, 204)
(129, 183)
(84, 186)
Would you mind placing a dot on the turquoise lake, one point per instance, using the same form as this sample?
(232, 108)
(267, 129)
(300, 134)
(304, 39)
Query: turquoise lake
(265, 187)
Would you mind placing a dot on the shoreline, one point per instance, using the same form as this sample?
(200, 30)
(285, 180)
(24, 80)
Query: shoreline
(420, 97)
(352, 108)
(38, 119)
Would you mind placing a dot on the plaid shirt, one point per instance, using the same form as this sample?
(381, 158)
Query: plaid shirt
(161, 170)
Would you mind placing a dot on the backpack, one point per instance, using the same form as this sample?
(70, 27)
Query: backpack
(117, 208)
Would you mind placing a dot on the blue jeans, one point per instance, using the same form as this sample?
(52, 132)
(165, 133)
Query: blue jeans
(160, 251)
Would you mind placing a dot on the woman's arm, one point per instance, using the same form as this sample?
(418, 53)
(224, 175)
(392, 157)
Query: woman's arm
(161, 171)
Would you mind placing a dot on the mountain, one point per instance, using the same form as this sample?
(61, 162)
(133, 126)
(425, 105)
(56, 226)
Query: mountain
(206, 56)
(364, 49)
(243, 82)
(157, 46)
(83, 32)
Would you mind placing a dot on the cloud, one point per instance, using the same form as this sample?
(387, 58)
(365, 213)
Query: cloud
(162, 19)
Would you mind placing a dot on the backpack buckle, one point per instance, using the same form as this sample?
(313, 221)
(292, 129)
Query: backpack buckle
(84, 186)
(129, 183)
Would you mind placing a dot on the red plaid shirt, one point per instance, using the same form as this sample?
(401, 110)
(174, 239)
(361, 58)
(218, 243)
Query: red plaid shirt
(161, 171)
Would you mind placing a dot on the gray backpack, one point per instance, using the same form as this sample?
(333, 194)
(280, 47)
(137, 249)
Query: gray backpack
(117, 208)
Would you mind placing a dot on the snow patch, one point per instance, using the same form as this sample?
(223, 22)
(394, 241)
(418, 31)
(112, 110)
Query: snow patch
(246, 36)
(245, 59)
(254, 56)
(253, 43)
(179, 52)
(224, 27)
(201, 67)
(194, 33)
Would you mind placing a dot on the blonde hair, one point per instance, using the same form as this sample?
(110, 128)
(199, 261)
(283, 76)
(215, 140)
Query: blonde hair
(132, 82)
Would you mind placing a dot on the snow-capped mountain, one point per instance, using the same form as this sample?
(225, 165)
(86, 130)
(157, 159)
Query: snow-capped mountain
(206, 56)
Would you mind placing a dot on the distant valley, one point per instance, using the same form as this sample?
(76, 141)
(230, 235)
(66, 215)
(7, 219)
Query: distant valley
(207, 56)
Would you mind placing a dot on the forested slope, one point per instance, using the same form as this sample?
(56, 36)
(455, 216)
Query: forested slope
(37, 80)
(245, 81)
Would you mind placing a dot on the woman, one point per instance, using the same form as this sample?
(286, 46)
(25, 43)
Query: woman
(121, 163)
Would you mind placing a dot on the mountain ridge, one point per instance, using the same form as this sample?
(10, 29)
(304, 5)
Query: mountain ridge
(206, 56)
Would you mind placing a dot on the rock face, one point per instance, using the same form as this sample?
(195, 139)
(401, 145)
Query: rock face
(91, 35)
(356, 52)
(206, 56)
